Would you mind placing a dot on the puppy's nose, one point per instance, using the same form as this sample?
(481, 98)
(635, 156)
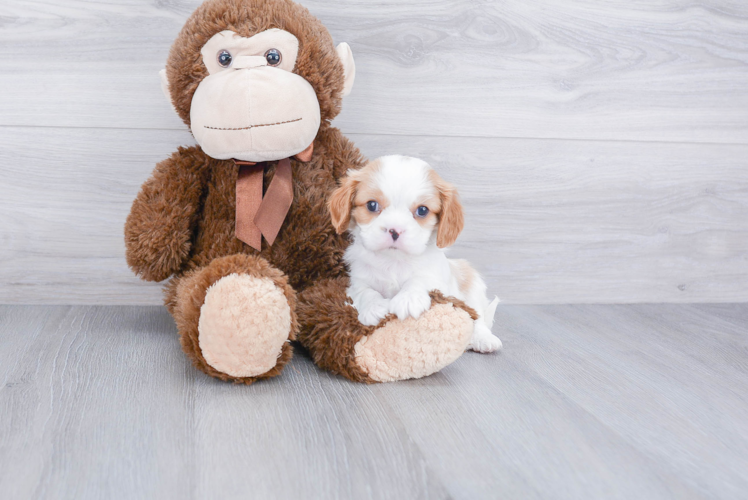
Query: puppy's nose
(395, 235)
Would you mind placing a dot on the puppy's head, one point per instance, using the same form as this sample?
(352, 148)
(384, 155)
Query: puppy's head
(397, 203)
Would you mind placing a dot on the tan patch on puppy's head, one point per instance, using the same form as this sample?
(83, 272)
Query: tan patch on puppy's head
(368, 191)
(451, 218)
(350, 199)
(434, 204)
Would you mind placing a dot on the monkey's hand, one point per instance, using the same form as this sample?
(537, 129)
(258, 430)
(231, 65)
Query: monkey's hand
(158, 231)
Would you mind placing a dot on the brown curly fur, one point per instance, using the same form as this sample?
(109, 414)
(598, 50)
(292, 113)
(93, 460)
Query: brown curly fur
(330, 328)
(182, 222)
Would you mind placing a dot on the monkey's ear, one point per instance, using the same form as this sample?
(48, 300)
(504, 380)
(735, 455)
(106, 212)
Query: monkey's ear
(349, 67)
(165, 88)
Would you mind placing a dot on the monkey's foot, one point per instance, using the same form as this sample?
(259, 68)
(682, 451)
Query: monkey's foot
(244, 323)
(392, 350)
(235, 318)
(415, 348)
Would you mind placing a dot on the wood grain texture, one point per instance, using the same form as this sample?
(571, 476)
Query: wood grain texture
(658, 70)
(547, 221)
(644, 401)
(626, 220)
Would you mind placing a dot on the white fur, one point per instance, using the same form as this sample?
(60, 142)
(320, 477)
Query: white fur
(396, 276)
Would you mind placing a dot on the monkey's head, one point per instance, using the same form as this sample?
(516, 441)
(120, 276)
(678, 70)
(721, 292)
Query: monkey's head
(254, 79)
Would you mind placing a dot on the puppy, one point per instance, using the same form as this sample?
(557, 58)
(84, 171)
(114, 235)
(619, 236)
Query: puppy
(401, 215)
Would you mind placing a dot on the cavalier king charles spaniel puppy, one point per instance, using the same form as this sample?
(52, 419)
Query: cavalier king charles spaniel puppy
(402, 215)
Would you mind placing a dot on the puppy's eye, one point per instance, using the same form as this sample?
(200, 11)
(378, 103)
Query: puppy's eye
(422, 211)
(224, 58)
(273, 57)
(372, 206)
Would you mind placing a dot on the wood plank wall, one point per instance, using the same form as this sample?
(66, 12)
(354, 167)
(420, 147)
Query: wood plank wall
(601, 147)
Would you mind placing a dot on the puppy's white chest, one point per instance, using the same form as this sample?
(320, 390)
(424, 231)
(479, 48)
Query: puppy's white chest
(389, 288)
(389, 282)
(386, 276)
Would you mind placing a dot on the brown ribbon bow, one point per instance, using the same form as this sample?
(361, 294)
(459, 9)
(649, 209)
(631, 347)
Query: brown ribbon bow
(258, 216)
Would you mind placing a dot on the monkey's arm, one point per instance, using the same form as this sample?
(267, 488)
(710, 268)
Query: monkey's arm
(158, 231)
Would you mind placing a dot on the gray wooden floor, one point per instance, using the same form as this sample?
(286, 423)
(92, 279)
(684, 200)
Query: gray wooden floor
(632, 401)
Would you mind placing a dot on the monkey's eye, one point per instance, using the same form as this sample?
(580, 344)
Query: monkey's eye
(273, 57)
(224, 58)
(372, 206)
(422, 211)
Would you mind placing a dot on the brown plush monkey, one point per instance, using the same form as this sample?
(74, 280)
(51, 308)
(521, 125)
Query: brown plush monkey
(259, 81)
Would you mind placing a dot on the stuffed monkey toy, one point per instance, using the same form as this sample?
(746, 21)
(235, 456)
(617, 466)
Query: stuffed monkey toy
(240, 222)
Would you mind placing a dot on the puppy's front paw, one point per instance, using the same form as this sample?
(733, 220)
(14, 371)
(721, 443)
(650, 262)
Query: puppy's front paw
(483, 340)
(410, 304)
(373, 312)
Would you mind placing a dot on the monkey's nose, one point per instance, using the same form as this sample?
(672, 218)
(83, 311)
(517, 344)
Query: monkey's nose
(247, 62)
(395, 235)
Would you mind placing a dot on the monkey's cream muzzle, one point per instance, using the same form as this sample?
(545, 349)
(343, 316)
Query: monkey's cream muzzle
(254, 112)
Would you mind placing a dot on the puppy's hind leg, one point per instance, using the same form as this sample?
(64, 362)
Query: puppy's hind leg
(473, 289)
(483, 340)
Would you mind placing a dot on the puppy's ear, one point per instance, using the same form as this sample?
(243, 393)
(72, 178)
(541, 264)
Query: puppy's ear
(451, 218)
(341, 204)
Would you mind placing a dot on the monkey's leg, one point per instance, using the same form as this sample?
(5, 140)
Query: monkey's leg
(235, 318)
(394, 349)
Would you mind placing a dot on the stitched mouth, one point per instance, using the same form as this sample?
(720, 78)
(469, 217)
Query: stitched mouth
(254, 126)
